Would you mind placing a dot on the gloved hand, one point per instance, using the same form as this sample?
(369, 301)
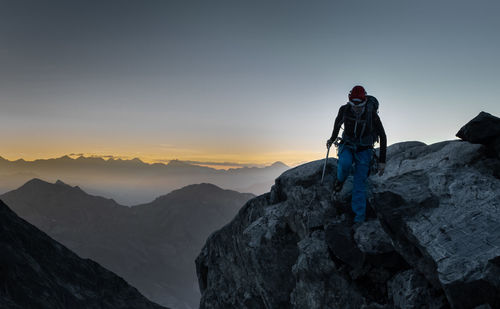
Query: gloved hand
(329, 143)
(381, 169)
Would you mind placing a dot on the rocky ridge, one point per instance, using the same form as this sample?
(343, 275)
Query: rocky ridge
(432, 238)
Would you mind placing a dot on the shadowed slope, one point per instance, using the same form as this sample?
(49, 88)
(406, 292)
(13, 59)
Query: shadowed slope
(38, 272)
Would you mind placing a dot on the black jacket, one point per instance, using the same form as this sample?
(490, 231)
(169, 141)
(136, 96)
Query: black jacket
(352, 130)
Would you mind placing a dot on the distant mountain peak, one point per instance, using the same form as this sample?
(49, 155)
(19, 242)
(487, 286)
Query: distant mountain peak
(176, 162)
(200, 190)
(39, 183)
(35, 182)
(203, 185)
(61, 183)
(279, 164)
(91, 159)
(137, 160)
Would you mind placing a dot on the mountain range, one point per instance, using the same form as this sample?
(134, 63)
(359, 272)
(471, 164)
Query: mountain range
(152, 246)
(132, 182)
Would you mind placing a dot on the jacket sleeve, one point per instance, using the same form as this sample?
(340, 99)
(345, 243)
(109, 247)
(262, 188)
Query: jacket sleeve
(383, 138)
(338, 123)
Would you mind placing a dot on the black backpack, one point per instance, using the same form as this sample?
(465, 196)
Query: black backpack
(372, 108)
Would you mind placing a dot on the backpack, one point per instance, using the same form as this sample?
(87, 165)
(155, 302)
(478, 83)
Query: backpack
(371, 108)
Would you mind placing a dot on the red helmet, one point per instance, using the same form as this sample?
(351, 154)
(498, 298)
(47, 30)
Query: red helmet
(357, 94)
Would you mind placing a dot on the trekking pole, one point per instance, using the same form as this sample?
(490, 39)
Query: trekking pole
(324, 166)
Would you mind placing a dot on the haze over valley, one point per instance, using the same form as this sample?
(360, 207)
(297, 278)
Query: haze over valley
(152, 246)
(131, 182)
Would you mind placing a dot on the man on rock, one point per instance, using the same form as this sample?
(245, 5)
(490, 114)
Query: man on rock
(362, 128)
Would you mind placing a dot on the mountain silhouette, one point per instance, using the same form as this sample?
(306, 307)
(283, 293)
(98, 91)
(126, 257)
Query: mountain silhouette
(38, 272)
(131, 182)
(152, 246)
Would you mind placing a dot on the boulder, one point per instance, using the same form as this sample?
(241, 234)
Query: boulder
(410, 290)
(483, 129)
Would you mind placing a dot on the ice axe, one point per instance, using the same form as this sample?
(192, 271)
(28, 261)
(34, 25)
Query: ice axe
(324, 166)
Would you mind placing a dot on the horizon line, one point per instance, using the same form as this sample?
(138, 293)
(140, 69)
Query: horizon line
(109, 158)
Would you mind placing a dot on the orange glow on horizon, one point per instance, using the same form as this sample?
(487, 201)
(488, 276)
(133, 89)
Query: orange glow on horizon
(216, 161)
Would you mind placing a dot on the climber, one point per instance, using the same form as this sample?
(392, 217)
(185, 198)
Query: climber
(362, 128)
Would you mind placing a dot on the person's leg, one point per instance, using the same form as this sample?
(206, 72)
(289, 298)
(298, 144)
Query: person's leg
(362, 164)
(344, 164)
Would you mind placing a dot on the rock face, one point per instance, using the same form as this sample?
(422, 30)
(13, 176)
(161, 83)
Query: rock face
(432, 238)
(38, 272)
(483, 129)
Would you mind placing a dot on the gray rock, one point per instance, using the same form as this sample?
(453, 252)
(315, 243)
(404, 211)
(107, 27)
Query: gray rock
(372, 239)
(341, 243)
(248, 263)
(410, 290)
(435, 241)
(298, 238)
(483, 129)
(318, 284)
(443, 216)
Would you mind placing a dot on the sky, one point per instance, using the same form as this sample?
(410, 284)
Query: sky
(247, 82)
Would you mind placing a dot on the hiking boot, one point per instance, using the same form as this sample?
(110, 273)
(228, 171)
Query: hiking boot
(337, 186)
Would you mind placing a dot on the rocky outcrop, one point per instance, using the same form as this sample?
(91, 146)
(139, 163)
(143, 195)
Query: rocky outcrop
(432, 238)
(443, 215)
(483, 129)
(38, 272)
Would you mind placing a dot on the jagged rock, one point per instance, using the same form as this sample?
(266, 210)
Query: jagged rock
(436, 236)
(410, 290)
(483, 129)
(255, 249)
(372, 239)
(317, 283)
(341, 243)
(295, 237)
(443, 216)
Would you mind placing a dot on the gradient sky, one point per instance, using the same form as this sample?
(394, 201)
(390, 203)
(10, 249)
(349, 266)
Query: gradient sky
(237, 81)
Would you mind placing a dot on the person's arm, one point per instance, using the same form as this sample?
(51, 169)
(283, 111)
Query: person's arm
(337, 124)
(379, 129)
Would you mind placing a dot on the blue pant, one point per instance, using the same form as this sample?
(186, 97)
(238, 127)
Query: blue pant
(361, 160)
